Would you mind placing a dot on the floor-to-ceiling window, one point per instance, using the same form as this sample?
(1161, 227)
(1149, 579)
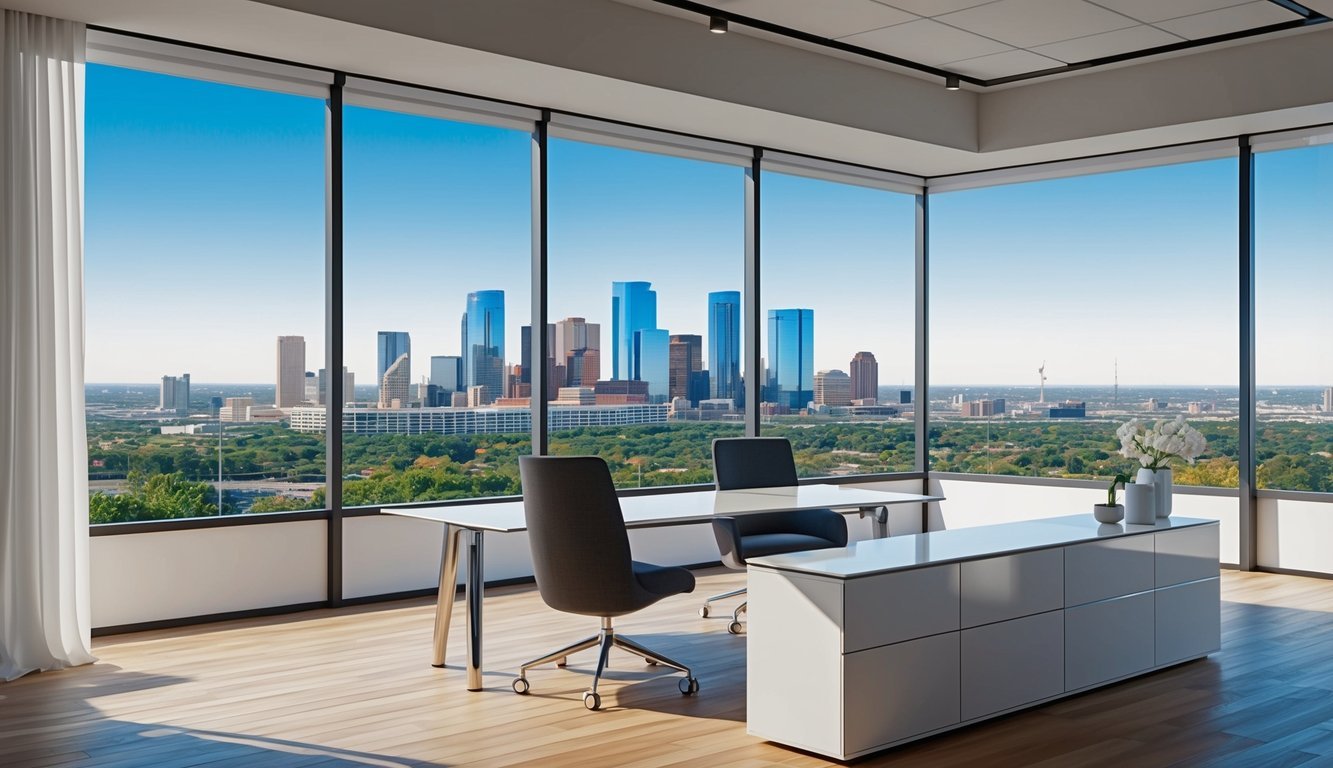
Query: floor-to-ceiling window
(204, 296)
(1293, 316)
(837, 330)
(436, 301)
(1064, 307)
(645, 309)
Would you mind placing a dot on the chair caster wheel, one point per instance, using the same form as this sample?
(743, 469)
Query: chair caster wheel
(520, 686)
(703, 612)
(592, 700)
(688, 685)
(736, 628)
(564, 660)
(651, 662)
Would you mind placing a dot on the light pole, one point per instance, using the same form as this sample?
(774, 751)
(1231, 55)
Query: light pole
(219, 462)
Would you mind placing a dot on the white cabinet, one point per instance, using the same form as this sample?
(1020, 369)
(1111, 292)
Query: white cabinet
(1189, 621)
(892, 607)
(1186, 554)
(1001, 588)
(1100, 570)
(1012, 663)
(1109, 640)
(897, 691)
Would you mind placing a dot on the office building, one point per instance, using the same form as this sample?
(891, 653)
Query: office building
(947, 184)
(1069, 409)
(391, 347)
(633, 309)
(577, 396)
(446, 372)
(578, 347)
(724, 346)
(864, 370)
(1328, 400)
(685, 365)
(175, 394)
(791, 357)
(290, 390)
(349, 386)
(555, 367)
(652, 362)
(484, 342)
(311, 387)
(395, 386)
(904, 396)
(832, 388)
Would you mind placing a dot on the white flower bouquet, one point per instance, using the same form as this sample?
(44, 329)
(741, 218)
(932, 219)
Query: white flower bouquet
(1155, 445)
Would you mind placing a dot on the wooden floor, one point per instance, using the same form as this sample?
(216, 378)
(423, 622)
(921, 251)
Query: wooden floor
(354, 688)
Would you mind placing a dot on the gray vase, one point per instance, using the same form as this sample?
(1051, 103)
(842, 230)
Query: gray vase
(1140, 504)
(1161, 481)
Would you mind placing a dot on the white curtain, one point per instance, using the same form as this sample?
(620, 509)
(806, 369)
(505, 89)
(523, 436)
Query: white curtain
(44, 614)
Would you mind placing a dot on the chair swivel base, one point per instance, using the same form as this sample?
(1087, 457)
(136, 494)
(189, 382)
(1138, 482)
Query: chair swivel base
(605, 640)
(735, 627)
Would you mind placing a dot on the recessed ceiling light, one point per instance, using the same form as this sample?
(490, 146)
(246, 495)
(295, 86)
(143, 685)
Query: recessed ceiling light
(717, 25)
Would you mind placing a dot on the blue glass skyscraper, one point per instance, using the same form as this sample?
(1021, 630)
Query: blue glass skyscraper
(484, 342)
(392, 345)
(724, 345)
(791, 357)
(652, 362)
(633, 308)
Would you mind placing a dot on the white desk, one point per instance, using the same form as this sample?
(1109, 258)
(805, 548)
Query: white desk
(649, 511)
(851, 651)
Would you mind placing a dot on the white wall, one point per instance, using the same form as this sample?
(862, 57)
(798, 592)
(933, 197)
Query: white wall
(977, 502)
(146, 577)
(1296, 535)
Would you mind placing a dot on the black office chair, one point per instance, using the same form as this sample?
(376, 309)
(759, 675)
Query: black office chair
(581, 557)
(764, 462)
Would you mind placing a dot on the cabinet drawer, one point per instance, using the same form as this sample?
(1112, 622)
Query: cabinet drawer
(1104, 569)
(1189, 620)
(1187, 554)
(1002, 588)
(898, 691)
(1108, 640)
(1012, 663)
(892, 607)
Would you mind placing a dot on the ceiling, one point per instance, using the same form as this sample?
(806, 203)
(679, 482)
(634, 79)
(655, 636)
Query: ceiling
(998, 40)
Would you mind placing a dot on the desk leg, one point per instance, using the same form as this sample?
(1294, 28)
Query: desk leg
(475, 585)
(880, 516)
(444, 602)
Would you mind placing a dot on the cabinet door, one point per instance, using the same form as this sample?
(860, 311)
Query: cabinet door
(1108, 640)
(1187, 554)
(1100, 570)
(897, 691)
(903, 605)
(1012, 663)
(1002, 588)
(1189, 620)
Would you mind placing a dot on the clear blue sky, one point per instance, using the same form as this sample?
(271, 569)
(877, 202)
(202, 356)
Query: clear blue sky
(205, 241)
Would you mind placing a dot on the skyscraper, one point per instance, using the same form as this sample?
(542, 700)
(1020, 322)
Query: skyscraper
(791, 357)
(833, 387)
(633, 309)
(686, 368)
(578, 347)
(865, 376)
(175, 394)
(395, 384)
(652, 362)
(1328, 399)
(446, 372)
(724, 345)
(349, 386)
(392, 345)
(290, 390)
(554, 365)
(484, 343)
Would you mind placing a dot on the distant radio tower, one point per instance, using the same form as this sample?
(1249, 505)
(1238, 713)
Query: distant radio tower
(1042, 373)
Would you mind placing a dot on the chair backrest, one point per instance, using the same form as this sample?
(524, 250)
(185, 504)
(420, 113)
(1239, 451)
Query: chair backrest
(753, 462)
(580, 549)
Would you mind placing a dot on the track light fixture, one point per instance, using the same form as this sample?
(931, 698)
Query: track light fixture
(717, 25)
(951, 82)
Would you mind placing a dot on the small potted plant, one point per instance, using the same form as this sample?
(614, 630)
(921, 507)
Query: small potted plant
(1111, 512)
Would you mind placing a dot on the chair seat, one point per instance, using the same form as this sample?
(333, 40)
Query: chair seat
(663, 580)
(761, 544)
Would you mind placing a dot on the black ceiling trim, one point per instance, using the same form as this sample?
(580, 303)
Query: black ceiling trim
(1308, 18)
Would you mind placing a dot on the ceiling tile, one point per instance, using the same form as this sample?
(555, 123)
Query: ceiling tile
(1027, 23)
(826, 18)
(926, 42)
(934, 7)
(1107, 44)
(1321, 6)
(1159, 10)
(1003, 64)
(1234, 19)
